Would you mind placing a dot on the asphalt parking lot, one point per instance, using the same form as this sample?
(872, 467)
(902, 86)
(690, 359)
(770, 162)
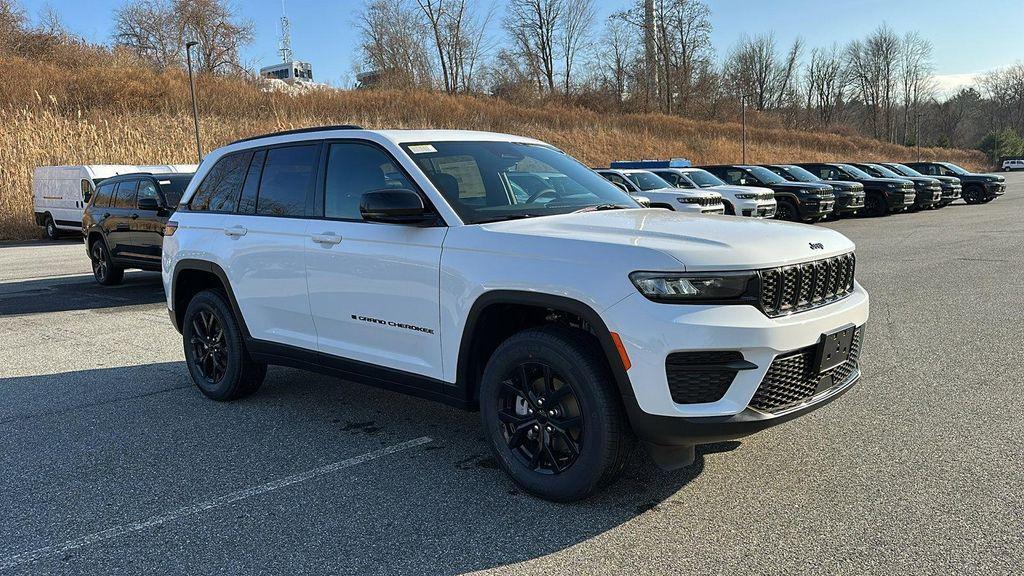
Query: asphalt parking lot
(110, 462)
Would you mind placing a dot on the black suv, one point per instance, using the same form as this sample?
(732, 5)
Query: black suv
(951, 187)
(797, 201)
(928, 191)
(124, 221)
(978, 188)
(849, 195)
(882, 195)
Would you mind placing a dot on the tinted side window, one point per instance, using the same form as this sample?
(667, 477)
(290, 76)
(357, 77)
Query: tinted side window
(104, 194)
(125, 195)
(735, 177)
(219, 190)
(247, 203)
(147, 189)
(616, 179)
(288, 175)
(672, 178)
(352, 170)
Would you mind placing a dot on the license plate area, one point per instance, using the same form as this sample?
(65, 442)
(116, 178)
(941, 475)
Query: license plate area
(834, 348)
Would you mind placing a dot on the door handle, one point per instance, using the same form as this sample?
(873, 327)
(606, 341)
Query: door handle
(235, 231)
(327, 239)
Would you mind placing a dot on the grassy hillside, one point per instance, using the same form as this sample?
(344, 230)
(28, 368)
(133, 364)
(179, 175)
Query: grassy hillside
(119, 112)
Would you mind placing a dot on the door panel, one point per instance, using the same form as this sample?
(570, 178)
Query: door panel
(374, 295)
(148, 228)
(117, 226)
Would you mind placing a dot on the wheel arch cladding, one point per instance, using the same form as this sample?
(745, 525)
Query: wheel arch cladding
(192, 277)
(513, 311)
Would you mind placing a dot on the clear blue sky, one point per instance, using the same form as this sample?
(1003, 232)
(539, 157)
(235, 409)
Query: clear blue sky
(969, 36)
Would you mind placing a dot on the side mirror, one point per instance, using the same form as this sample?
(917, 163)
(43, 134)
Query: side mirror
(150, 204)
(394, 206)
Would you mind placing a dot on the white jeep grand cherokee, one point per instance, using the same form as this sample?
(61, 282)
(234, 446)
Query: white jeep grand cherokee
(494, 271)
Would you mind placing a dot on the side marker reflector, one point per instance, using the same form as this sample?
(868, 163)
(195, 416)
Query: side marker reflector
(626, 364)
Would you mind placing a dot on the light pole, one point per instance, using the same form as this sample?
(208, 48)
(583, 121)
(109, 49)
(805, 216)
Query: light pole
(917, 137)
(192, 88)
(743, 116)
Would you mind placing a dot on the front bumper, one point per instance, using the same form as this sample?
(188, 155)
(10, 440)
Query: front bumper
(755, 208)
(694, 208)
(651, 332)
(951, 193)
(817, 207)
(995, 188)
(849, 203)
(927, 197)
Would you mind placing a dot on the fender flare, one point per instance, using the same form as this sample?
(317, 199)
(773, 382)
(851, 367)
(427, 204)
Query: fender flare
(554, 302)
(210, 268)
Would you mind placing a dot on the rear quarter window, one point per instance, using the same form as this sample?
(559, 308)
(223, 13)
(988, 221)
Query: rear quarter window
(103, 195)
(220, 189)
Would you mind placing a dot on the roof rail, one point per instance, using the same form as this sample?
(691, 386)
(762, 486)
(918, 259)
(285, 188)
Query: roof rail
(301, 131)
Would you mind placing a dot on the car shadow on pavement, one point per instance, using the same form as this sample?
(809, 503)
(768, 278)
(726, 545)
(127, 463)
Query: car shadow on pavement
(440, 508)
(81, 292)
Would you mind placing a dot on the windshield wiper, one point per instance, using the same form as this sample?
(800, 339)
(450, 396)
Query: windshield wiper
(600, 207)
(506, 217)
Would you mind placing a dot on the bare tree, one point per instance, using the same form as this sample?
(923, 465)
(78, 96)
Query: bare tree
(151, 30)
(393, 39)
(215, 26)
(577, 20)
(533, 26)
(12, 24)
(825, 83)
(618, 55)
(916, 82)
(873, 64)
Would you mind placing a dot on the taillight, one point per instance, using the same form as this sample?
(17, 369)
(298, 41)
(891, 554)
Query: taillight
(170, 228)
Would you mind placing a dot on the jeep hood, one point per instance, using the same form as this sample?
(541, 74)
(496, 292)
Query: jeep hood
(698, 242)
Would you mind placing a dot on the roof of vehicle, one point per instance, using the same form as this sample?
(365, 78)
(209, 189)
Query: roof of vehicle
(395, 136)
(157, 175)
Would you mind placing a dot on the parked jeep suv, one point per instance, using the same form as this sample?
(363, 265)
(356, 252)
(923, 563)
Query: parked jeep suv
(123, 223)
(575, 320)
(738, 200)
(882, 195)
(797, 201)
(927, 191)
(978, 188)
(849, 195)
(951, 187)
(661, 194)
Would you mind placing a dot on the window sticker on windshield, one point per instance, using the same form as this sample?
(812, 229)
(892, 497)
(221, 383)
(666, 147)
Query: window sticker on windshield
(164, 182)
(422, 149)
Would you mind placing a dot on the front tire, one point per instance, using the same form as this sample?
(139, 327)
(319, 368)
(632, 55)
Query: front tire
(103, 268)
(973, 195)
(875, 205)
(552, 413)
(215, 353)
(786, 210)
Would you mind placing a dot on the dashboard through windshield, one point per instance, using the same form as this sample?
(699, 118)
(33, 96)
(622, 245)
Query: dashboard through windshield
(494, 181)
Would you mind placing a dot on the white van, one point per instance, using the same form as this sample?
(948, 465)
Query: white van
(59, 193)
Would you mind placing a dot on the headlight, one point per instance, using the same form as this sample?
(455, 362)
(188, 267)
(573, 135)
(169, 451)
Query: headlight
(684, 287)
(746, 196)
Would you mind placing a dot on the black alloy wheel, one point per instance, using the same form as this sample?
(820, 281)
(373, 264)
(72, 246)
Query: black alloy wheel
(105, 272)
(874, 205)
(209, 346)
(785, 210)
(541, 418)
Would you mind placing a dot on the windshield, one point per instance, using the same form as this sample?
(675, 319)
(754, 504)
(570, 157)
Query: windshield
(800, 174)
(956, 169)
(854, 171)
(885, 172)
(904, 170)
(765, 175)
(493, 181)
(647, 180)
(704, 179)
(173, 187)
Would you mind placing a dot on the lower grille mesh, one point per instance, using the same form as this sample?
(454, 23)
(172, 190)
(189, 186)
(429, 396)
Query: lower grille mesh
(699, 377)
(791, 378)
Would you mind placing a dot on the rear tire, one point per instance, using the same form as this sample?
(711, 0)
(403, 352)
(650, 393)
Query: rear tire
(103, 267)
(552, 413)
(215, 353)
(52, 232)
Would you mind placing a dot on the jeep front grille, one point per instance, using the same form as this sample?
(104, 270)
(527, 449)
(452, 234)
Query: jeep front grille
(791, 379)
(805, 286)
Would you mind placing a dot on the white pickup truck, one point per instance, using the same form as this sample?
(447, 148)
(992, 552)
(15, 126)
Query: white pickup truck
(576, 321)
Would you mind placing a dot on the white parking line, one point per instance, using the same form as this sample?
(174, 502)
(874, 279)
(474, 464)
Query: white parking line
(194, 509)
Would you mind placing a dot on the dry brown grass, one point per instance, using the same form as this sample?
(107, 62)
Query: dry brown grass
(122, 113)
